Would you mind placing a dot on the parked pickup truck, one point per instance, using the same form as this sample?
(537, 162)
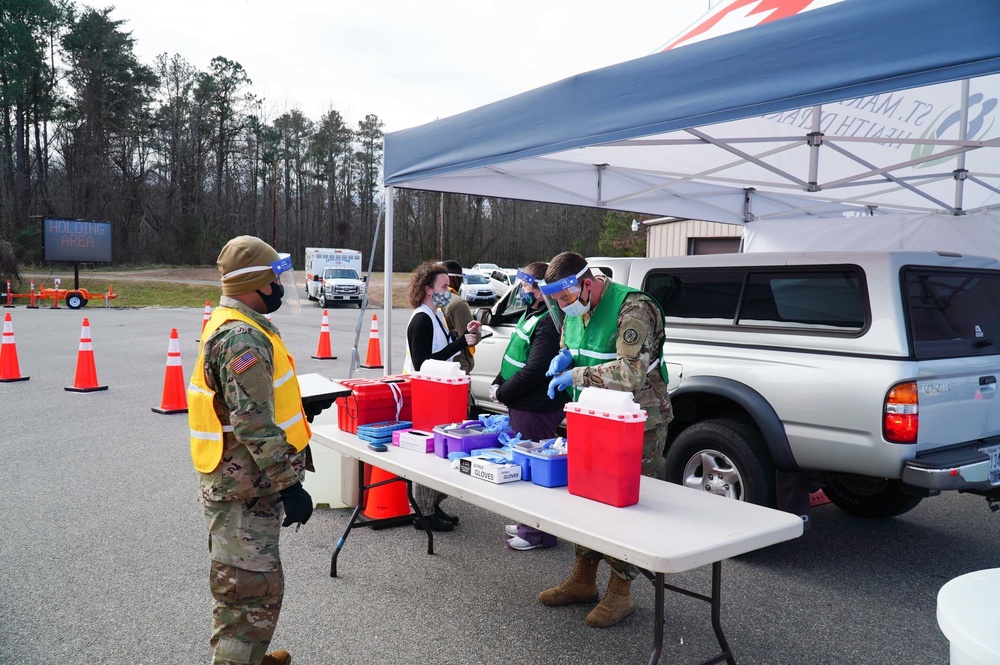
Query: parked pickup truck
(871, 375)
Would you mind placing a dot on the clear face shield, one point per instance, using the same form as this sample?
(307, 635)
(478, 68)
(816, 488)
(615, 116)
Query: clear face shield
(290, 304)
(288, 300)
(525, 290)
(562, 297)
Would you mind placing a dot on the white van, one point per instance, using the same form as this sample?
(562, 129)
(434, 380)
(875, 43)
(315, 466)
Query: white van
(334, 275)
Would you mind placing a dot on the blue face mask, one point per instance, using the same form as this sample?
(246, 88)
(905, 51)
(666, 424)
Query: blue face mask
(528, 299)
(441, 299)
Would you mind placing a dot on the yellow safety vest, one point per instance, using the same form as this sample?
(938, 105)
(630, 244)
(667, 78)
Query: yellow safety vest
(206, 428)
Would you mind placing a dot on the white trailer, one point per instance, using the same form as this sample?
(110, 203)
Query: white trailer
(342, 281)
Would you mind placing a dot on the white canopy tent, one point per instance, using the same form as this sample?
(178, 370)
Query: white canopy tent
(861, 107)
(976, 233)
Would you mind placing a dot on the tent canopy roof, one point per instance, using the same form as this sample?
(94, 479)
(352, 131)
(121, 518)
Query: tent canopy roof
(661, 134)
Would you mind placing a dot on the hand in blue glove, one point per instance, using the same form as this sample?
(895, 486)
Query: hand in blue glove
(560, 363)
(560, 382)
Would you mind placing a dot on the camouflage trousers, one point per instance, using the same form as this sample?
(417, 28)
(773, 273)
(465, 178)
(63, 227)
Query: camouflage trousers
(653, 465)
(246, 578)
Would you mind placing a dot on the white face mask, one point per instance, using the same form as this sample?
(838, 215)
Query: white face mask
(575, 308)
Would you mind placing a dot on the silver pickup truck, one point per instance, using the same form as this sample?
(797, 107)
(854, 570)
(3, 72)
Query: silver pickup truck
(871, 375)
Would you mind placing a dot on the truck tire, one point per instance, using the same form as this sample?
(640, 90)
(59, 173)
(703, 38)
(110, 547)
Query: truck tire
(75, 300)
(726, 457)
(322, 301)
(872, 498)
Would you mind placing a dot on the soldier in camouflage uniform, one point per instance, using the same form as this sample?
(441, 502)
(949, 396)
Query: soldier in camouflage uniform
(613, 337)
(250, 467)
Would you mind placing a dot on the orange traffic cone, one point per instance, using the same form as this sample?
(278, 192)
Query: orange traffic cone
(86, 370)
(208, 315)
(384, 501)
(323, 351)
(9, 370)
(374, 358)
(174, 398)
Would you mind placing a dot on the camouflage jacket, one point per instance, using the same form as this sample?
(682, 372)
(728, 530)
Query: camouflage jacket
(256, 459)
(637, 344)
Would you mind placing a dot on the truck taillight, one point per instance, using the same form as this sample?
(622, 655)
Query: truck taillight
(902, 418)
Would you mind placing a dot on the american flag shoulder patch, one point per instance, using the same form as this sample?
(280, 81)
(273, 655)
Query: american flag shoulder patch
(242, 363)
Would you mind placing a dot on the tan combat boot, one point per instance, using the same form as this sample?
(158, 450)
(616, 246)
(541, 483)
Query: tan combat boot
(281, 657)
(579, 587)
(615, 606)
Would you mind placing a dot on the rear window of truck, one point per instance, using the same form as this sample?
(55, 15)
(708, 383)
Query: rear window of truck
(823, 299)
(952, 312)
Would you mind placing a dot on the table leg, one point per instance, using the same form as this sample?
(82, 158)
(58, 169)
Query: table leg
(717, 613)
(350, 523)
(658, 596)
(715, 600)
(420, 517)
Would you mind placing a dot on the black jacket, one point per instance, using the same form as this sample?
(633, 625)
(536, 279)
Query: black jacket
(526, 390)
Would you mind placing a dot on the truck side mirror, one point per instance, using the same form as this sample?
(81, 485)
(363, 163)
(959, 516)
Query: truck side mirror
(364, 278)
(483, 315)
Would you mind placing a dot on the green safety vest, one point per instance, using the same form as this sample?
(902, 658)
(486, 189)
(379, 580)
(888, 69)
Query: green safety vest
(596, 343)
(516, 355)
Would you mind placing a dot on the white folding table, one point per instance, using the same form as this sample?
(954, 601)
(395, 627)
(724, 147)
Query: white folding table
(671, 530)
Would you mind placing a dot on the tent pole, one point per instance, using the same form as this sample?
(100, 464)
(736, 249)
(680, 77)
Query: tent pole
(963, 130)
(815, 140)
(386, 339)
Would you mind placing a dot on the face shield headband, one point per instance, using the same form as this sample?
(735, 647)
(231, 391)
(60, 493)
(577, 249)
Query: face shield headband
(569, 287)
(283, 264)
(284, 277)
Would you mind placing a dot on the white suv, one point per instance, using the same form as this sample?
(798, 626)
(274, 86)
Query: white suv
(871, 375)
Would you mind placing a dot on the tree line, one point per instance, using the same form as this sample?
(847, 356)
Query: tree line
(181, 159)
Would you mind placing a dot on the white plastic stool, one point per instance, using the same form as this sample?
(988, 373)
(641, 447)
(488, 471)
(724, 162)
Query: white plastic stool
(968, 612)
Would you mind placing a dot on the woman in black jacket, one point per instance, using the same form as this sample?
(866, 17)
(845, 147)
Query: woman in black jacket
(522, 385)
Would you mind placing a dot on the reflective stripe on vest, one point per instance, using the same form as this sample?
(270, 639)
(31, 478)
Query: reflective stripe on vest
(519, 346)
(596, 343)
(206, 428)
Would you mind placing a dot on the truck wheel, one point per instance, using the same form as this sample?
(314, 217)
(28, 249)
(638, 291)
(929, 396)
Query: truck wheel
(725, 457)
(322, 302)
(74, 300)
(873, 498)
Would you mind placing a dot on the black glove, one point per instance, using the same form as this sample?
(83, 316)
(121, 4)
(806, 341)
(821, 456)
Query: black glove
(298, 505)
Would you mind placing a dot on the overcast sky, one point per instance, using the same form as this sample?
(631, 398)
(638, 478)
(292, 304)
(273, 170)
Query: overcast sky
(406, 61)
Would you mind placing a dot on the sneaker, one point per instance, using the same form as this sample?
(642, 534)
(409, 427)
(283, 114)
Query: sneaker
(511, 529)
(521, 544)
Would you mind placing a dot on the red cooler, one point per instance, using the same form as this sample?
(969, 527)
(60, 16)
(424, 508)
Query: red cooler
(438, 400)
(373, 401)
(605, 453)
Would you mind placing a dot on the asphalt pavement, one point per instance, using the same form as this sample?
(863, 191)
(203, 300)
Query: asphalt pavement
(104, 554)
